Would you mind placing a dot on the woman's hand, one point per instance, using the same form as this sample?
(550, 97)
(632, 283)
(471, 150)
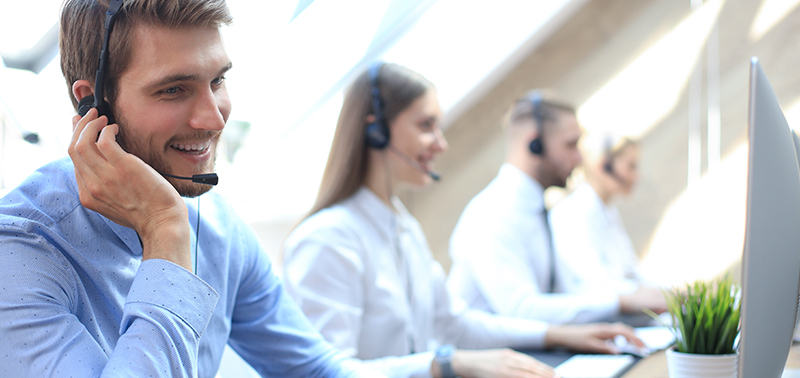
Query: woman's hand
(121, 187)
(590, 338)
(495, 363)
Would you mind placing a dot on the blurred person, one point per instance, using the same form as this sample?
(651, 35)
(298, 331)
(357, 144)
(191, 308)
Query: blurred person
(111, 272)
(359, 265)
(503, 260)
(588, 234)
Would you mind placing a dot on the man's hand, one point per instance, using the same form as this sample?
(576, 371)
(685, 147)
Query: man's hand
(495, 363)
(590, 338)
(644, 297)
(121, 187)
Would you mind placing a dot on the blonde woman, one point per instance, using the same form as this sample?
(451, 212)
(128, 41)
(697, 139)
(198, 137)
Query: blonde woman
(588, 233)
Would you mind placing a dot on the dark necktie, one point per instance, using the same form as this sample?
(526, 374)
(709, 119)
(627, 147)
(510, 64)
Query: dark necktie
(552, 253)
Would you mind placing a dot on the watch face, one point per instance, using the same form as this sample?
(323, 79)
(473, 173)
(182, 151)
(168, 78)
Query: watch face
(445, 351)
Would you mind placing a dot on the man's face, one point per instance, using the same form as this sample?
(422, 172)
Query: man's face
(172, 103)
(561, 154)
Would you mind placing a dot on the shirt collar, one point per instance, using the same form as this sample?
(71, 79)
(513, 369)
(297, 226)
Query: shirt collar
(384, 219)
(528, 191)
(606, 209)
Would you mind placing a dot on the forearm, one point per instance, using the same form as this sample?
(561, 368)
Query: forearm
(566, 308)
(165, 315)
(417, 365)
(168, 238)
(59, 331)
(473, 329)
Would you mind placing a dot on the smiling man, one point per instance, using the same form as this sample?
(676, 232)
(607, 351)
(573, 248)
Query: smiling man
(114, 271)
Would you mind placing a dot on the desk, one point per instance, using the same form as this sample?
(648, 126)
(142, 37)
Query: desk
(655, 366)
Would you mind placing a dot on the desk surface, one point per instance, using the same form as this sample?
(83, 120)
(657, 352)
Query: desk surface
(655, 366)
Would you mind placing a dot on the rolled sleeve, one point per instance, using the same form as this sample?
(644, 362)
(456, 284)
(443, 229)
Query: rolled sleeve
(161, 285)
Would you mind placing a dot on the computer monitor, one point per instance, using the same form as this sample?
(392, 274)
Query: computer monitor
(771, 259)
(796, 145)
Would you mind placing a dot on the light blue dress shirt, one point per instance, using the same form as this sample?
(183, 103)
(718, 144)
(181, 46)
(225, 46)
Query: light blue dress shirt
(76, 300)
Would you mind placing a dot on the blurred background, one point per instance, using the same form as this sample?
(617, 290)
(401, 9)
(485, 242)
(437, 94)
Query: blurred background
(672, 74)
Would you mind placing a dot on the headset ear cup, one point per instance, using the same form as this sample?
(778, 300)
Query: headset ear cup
(608, 166)
(536, 147)
(105, 109)
(85, 104)
(377, 136)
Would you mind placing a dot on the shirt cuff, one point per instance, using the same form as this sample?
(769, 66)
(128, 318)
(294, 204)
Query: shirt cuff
(167, 285)
(417, 365)
(527, 333)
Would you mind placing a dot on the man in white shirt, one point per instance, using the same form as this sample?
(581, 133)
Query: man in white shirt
(503, 260)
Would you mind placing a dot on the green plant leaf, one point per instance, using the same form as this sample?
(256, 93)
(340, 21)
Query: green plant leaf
(705, 316)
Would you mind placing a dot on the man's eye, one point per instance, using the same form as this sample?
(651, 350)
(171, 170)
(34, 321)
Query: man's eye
(172, 90)
(218, 80)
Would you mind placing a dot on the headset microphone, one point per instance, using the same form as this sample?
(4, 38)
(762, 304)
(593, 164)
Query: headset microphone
(414, 164)
(205, 178)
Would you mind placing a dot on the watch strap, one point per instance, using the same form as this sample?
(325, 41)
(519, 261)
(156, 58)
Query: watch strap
(444, 358)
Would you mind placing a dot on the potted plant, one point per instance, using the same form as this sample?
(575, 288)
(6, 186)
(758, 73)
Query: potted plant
(705, 323)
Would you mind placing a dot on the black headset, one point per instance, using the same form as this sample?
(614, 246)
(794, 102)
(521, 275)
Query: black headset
(98, 101)
(377, 132)
(535, 99)
(608, 159)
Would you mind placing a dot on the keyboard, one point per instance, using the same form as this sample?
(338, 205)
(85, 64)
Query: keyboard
(595, 365)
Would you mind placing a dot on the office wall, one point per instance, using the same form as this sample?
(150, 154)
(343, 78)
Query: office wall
(583, 55)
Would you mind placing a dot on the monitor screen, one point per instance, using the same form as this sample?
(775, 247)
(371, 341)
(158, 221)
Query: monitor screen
(771, 259)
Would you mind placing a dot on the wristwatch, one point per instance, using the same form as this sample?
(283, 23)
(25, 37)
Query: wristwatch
(444, 357)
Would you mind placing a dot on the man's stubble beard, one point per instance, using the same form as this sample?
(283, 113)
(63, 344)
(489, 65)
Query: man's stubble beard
(136, 147)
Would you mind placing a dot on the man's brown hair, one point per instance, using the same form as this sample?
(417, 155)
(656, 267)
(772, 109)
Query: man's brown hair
(82, 30)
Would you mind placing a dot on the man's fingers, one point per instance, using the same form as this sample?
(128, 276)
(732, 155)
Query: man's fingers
(77, 127)
(75, 119)
(603, 346)
(107, 144)
(86, 147)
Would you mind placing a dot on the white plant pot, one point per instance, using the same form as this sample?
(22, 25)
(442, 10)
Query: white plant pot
(687, 365)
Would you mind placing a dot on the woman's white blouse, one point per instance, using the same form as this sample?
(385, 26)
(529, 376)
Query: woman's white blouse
(591, 240)
(365, 277)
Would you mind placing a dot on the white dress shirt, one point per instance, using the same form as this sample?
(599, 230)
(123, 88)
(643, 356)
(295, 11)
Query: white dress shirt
(591, 240)
(365, 277)
(501, 257)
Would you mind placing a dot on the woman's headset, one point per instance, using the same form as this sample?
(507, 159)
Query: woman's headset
(608, 156)
(377, 132)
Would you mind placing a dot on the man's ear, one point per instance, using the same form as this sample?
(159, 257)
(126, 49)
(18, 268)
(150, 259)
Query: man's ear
(81, 89)
(531, 134)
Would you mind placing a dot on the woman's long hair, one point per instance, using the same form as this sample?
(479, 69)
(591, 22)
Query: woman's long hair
(348, 160)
